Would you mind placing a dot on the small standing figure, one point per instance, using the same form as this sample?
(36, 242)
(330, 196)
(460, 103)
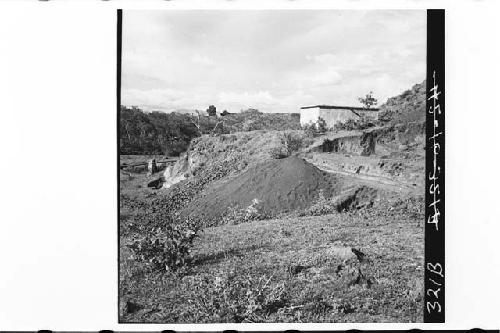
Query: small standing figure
(152, 166)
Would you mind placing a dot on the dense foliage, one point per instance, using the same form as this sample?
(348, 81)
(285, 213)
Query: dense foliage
(155, 132)
(361, 123)
(169, 134)
(290, 142)
(166, 248)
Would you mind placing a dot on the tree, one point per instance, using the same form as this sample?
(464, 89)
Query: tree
(196, 121)
(212, 111)
(321, 125)
(368, 101)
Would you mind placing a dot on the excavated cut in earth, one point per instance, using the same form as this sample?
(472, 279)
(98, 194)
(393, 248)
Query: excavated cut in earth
(279, 185)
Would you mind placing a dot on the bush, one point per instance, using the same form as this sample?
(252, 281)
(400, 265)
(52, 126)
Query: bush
(290, 142)
(321, 125)
(166, 248)
(355, 124)
(312, 129)
(279, 152)
(322, 206)
(236, 298)
(237, 215)
(386, 116)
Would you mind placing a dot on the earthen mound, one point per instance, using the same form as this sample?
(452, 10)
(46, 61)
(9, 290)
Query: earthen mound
(272, 187)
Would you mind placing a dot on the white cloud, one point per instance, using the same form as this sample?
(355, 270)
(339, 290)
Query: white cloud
(324, 59)
(162, 99)
(328, 76)
(271, 60)
(202, 60)
(246, 98)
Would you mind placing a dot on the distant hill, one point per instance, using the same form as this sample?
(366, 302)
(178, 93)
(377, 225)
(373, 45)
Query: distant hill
(405, 108)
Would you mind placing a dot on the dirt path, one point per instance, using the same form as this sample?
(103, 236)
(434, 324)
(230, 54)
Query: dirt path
(374, 181)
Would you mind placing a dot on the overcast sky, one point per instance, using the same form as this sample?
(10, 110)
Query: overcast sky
(275, 61)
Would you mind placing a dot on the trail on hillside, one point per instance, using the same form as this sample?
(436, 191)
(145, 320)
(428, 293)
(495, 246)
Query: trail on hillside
(373, 181)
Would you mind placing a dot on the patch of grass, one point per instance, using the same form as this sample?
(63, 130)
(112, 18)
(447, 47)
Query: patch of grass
(232, 264)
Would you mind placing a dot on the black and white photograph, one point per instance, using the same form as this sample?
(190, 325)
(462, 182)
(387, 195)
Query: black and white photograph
(272, 166)
(249, 166)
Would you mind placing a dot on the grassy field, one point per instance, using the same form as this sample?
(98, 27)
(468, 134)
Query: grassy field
(290, 269)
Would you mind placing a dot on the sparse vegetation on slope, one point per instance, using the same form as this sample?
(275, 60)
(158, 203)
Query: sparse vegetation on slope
(252, 120)
(289, 270)
(405, 108)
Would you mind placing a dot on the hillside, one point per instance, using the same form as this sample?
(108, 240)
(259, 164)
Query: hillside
(158, 133)
(405, 108)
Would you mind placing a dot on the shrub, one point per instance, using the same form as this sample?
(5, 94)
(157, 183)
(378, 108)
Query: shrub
(290, 142)
(237, 215)
(212, 111)
(386, 116)
(312, 129)
(355, 124)
(322, 206)
(279, 152)
(321, 125)
(166, 248)
(236, 298)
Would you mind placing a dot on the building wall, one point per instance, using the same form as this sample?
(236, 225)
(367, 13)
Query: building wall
(369, 114)
(332, 116)
(336, 115)
(308, 116)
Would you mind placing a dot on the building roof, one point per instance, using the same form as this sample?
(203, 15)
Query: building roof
(335, 107)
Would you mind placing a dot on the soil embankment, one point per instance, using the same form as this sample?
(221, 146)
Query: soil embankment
(276, 186)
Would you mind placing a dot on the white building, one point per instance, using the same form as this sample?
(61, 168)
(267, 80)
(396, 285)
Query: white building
(334, 114)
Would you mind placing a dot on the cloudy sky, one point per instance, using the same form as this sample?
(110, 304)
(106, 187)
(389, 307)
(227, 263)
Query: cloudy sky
(275, 60)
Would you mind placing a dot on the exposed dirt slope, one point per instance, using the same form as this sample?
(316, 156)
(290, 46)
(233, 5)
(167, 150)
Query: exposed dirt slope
(235, 152)
(276, 186)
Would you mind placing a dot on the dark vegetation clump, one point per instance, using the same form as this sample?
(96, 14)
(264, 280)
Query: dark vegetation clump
(290, 142)
(158, 133)
(212, 111)
(361, 123)
(313, 129)
(166, 248)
